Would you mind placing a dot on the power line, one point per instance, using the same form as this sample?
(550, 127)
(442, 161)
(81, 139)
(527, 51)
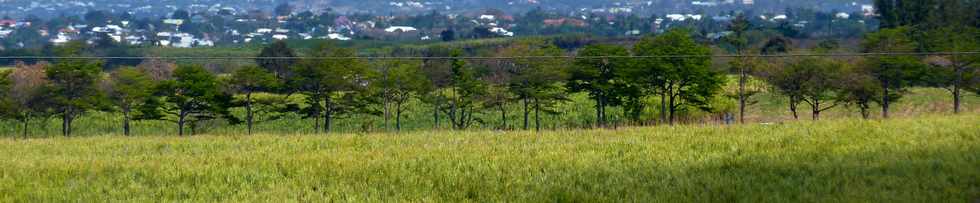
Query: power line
(493, 57)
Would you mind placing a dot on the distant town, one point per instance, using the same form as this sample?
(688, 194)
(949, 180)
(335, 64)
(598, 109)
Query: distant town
(199, 25)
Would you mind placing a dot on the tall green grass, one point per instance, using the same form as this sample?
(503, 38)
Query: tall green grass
(931, 159)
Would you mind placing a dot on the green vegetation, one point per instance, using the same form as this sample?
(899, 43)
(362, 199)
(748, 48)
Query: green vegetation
(920, 160)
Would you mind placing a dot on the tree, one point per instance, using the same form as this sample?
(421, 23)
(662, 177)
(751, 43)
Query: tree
(439, 75)
(25, 98)
(893, 72)
(818, 82)
(953, 72)
(464, 90)
(157, 70)
(332, 86)
(739, 43)
(399, 82)
(601, 77)
(181, 14)
(277, 58)
(96, 18)
(128, 89)
(777, 45)
(284, 9)
(787, 82)
(74, 89)
(448, 35)
(680, 81)
(927, 13)
(858, 88)
(192, 96)
(536, 81)
(498, 95)
(249, 80)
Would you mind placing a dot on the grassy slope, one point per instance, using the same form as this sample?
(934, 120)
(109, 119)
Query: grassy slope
(931, 159)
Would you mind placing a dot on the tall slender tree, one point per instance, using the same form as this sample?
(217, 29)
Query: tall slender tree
(536, 81)
(331, 85)
(739, 43)
(464, 90)
(277, 58)
(128, 89)
(25, 97)
(603, 78)
(74, 89)
(953, 72)
(193, 96)
(248, 81)
(680, 81)
(400, 82)
(893, 72)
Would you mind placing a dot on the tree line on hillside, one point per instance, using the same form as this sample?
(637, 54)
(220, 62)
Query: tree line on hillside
(335, 84)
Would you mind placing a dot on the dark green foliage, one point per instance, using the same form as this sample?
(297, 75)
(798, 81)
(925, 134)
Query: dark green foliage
(249, 80)
(894, 72)
(128, 89)
(679, 81)
(814, 81)
(927, 13)
(334, 87)
(953, 72)
(193, 96)
(277, 58)
(859, 89)
(536, 81)
(25, 97)
(464, 90)
(777, 45)
(602, 78)
(397, 82)
(74, 89)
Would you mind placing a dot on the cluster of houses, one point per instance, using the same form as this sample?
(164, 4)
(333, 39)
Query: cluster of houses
(344, 28)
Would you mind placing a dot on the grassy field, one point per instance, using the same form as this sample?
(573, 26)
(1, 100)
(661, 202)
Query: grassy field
(930, 159)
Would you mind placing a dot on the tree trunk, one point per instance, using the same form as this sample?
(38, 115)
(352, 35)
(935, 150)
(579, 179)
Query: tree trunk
(327, 114)
(884, 101)
(26, 120)
(601, 111)
(435, 113)
(537, 116)
(526, 113)
(741, 93)
(64, 122)
(816, 110)
(453, 110)
(864, 111)
(248, 112)
(503, 115)
(670, 118)
(398, 117)
(793, 102)
(126, 121)
(316, 113)
(663, 106)
(956, 98)
(180, 123)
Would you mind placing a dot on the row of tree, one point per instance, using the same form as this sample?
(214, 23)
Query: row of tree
(332, 83)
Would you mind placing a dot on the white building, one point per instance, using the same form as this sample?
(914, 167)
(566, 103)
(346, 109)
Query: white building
(337, 36)
(502, 31)
(400, 29)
